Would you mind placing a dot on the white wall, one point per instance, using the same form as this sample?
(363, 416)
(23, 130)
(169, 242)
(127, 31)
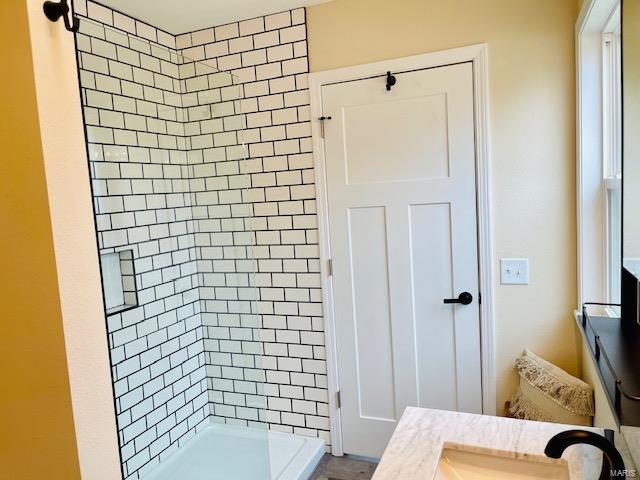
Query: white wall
(74, 238)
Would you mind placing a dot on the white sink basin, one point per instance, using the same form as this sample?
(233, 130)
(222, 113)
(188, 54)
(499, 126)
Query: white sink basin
(465, 462)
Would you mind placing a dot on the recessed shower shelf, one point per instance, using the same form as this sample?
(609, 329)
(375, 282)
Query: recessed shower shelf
(119, 281)
(119, 309)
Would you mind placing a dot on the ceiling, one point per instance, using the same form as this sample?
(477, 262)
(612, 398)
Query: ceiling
(181, 16)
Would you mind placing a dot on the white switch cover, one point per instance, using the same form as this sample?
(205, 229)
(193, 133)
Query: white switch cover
(514, 271)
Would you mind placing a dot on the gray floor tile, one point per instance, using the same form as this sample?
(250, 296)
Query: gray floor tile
(342, 468)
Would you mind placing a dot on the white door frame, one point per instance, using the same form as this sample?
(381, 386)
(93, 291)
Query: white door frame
(477, 54)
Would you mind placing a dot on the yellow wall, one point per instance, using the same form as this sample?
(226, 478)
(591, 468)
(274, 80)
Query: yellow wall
(532, 115)
(38, 439)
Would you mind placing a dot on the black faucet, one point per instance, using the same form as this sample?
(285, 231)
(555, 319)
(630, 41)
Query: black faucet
(612, 463)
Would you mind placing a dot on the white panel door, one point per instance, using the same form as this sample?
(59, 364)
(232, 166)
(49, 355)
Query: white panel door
(402, 206)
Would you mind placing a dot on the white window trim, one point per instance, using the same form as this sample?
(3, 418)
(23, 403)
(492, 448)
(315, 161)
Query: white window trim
(611, 174)
(593, 263)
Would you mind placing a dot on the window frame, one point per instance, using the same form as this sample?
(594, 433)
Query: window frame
(612, 156)
(593, 226)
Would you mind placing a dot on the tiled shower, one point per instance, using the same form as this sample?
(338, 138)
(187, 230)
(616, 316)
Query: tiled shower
(202, 176)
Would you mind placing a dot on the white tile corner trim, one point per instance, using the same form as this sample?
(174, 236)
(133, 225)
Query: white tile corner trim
(203, 196)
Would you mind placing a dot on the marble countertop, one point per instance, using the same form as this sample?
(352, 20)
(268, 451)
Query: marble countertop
(414, 449)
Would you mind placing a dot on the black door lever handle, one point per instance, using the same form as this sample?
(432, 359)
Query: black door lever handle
(465, 298)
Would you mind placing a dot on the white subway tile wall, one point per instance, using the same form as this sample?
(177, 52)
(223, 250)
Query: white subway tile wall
(209, 179)
(273, 189)
(139, 170)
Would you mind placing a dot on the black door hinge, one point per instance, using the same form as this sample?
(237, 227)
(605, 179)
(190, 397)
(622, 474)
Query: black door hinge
(391, 81)
(322, 120)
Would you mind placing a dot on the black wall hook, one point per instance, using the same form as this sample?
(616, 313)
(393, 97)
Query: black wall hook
(391, 81)
(55, 10)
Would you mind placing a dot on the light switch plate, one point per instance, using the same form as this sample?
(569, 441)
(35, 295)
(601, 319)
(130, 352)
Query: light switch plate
(514, 271)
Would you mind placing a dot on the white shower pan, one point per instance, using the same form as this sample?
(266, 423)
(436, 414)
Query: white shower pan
(227, 452)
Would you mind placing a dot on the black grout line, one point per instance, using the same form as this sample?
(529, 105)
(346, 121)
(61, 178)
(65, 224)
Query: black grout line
(135, 20)
(263, 17)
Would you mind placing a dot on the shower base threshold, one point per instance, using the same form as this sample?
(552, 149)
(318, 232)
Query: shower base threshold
(226, 452)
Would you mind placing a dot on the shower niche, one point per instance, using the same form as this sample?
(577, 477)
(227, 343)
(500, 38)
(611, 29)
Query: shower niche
(118, 281)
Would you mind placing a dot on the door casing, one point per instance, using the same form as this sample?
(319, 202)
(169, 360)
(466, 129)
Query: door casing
(478, 55)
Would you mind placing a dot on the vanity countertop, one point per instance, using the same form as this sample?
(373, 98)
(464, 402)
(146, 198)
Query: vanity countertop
(414, 449)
